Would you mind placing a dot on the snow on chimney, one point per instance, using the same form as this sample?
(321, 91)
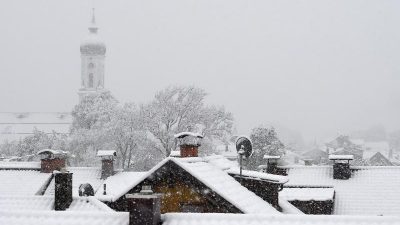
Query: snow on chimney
(144, 207)
(107, 162)
(63, 190)
(341, 166)
(272, 163)
(52, 160)
(189, 144)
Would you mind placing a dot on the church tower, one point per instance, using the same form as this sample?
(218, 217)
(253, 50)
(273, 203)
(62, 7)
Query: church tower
(93, 52)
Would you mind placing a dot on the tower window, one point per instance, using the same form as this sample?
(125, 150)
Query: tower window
(91, 80)
(91, 65)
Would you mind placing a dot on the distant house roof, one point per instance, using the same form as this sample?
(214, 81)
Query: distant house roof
(369, 191)
(378, 159)
(14, 125)
(23, 182)
(211, 176)
(243, 219)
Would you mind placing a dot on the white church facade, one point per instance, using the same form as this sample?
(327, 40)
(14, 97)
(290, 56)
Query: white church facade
(16, 125)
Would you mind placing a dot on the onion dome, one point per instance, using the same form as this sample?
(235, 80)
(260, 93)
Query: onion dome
(93, 45)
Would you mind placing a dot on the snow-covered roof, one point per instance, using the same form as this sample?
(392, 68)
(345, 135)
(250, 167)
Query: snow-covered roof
(307, 194)
(259, 175)
(80, 175)
(22, 182)
(101, 153)
(43, 203)
(221, 162)
(211, 176)
(119, 183)
(184, 134)
(63, 218)
(226, 186)
(341, 157)
(19, 165)
(369, 191)
(243, 219)
(175, 153)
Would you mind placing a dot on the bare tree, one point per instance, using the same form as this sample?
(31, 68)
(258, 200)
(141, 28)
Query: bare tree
(181, 108)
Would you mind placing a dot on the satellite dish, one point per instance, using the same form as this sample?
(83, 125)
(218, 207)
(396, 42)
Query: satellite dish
(244, 146)
(86, 190)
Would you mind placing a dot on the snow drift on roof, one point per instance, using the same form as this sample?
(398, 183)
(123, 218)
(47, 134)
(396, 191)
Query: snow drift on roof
(22, 182)
(262, 176)
(307, 194)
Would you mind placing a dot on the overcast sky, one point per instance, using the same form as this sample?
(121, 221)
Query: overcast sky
(316, 66)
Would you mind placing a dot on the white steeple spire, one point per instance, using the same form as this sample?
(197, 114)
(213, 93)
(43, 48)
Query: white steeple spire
(93, 27)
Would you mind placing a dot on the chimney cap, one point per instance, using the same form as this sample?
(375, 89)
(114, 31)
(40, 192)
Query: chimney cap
(186, 133)
(102, 153)
(272, 157)
(53, 152)
(341, 157)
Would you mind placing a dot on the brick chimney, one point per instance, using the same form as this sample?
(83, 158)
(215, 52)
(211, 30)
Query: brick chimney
(341, 166)
(52, 160)
(107, 162)
(272, 163)
(63, 190)
(144, 207)
(189, 144)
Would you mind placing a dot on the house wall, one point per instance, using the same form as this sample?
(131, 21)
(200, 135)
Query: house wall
(266, 190)
(314, 207)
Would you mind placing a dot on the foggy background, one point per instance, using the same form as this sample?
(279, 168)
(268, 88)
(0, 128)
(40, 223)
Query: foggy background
(318, 67)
